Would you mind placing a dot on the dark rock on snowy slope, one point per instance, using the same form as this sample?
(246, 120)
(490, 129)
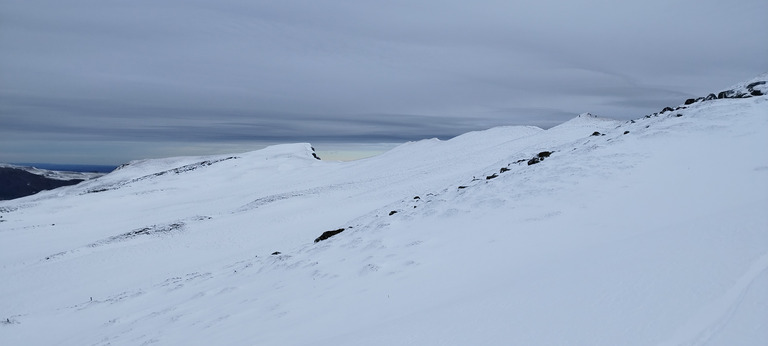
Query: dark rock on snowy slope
(545, 154)
(328, 234)
(757, 88)
(753, 91)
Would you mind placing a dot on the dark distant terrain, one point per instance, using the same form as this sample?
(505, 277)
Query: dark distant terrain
(70, 167)
(15, 183)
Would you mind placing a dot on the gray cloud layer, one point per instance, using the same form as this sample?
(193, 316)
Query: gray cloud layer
(193, 71)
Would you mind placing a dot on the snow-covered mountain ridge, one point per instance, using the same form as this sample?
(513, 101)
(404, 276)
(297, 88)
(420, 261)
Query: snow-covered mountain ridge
(593, 232)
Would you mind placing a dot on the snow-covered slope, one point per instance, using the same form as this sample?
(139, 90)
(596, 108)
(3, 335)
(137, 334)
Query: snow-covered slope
(652, 231)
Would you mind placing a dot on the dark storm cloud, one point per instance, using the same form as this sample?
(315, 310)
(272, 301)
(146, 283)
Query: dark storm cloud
(355, 71)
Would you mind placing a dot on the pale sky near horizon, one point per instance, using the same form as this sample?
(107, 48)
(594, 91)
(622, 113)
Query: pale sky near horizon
(108, 81)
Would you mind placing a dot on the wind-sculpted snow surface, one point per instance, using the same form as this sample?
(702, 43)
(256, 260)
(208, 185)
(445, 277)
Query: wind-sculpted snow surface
(653, 232)
(177, 170)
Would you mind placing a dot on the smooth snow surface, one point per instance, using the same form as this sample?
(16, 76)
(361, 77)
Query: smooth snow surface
(654, 237)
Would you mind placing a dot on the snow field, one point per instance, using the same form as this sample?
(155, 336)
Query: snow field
(657, 236)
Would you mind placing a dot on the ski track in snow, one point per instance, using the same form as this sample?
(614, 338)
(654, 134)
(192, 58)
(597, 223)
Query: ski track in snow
(711, 319)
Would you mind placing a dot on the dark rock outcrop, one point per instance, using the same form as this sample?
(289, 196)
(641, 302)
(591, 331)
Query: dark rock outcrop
(545, 154)
(328, 234)
(315, 154)
(738, 93)
(753, 91)
(733, 94)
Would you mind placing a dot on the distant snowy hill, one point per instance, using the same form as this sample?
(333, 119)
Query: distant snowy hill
(594, 232)
(19, 181)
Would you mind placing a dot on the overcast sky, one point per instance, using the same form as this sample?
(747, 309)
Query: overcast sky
(107, 81)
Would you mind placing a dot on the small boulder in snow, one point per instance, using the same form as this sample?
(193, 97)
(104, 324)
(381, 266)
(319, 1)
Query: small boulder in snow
(328, 234)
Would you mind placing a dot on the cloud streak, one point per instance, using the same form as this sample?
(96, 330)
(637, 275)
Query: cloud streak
(354, 71)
